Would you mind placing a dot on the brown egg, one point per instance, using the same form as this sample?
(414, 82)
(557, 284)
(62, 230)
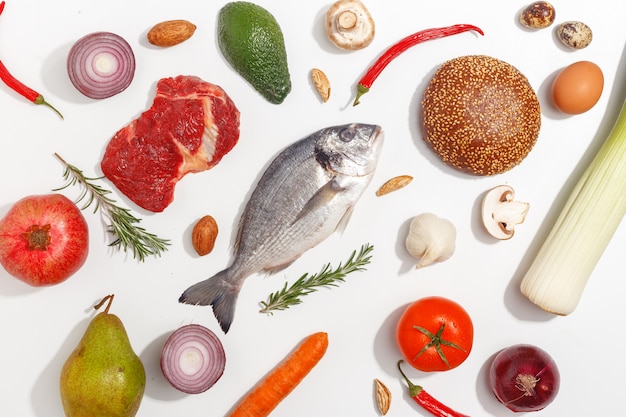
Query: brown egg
(577, 87)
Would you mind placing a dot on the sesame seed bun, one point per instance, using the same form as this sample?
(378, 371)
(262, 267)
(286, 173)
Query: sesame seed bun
(480, 115)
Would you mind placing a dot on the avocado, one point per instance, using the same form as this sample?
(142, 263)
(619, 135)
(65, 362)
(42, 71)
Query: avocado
(252, 42)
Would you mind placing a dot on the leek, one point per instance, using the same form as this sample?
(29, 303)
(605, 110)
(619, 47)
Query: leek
(557, 276)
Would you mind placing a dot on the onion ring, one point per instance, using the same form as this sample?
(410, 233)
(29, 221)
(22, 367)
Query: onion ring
(193, 359)
(101, 65)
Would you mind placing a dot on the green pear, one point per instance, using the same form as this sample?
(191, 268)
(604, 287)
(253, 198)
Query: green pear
(103, 377)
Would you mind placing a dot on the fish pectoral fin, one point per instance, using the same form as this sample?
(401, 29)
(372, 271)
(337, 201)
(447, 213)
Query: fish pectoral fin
(321, 198)
(278, 268)
(343, 222)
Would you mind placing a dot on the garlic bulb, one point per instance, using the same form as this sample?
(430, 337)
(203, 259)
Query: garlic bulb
(431, 239)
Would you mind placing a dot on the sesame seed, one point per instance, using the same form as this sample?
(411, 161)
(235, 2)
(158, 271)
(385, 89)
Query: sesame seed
(480, 115)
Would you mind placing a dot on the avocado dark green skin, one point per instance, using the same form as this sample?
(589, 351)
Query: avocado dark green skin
(252, 42)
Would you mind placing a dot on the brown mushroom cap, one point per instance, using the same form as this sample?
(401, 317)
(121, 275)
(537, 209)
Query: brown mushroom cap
(480, 115)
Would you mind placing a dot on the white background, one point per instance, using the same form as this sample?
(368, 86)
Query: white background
(40, 327)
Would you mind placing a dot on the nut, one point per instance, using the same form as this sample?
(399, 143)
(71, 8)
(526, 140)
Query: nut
(171, 32)
(321, 83)
(383, 397)
(394, 184)
(204, 234)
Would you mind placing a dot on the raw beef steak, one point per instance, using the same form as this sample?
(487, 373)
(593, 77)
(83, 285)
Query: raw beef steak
(191, 125)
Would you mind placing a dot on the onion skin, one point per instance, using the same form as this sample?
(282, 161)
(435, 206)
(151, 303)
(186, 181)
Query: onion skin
(193, 359)
(524, 378)
(101, 65)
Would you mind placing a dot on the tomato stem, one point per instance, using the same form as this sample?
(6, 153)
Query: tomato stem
(436, 341)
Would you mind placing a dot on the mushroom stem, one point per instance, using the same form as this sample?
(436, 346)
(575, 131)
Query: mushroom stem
(347, 20)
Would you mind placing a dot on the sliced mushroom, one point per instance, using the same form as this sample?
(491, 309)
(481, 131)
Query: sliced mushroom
(349, 25)
(501, 213)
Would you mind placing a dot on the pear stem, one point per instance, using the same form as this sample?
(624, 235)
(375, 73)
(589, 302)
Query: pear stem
(108, 298)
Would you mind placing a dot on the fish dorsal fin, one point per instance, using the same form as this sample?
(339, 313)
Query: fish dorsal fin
(321, 198)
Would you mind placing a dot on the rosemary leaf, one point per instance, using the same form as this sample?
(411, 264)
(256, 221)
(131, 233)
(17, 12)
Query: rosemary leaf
(291, 295)
(123, 224)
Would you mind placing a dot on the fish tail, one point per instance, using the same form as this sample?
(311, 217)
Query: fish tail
(219, 293)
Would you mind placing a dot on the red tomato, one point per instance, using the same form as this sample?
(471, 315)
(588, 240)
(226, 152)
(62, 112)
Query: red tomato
(43, 239)
(435, 334)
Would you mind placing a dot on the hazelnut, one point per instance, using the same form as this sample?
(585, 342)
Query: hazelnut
(204, 234)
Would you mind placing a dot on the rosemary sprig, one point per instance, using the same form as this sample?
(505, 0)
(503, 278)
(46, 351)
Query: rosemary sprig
(290, 296)
(123, 224)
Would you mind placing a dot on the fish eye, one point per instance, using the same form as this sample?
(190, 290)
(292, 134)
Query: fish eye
(347, 134)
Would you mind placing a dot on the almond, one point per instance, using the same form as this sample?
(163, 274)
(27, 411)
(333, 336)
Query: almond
(171, 32)
(394, 184)
(204, 234)
(383, 397)
(321, 83)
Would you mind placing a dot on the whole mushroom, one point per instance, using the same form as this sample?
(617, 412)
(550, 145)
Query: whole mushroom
(349, 25)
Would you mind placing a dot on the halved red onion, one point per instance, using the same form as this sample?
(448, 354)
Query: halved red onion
(193, 359)
(101, 65)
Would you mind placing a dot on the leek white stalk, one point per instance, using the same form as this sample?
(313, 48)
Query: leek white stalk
(557, 277)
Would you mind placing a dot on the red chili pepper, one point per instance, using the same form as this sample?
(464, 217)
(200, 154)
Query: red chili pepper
(427, 401)
(19, 87)
(425, 35)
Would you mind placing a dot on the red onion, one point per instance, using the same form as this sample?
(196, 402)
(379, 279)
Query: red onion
(524, 378)
(193, 359)
(101, 65)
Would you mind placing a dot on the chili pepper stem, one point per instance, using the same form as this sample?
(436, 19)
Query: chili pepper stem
(41, 100)
(361, 89)
(414, 390)
(18, 86)
(23, 90)
(399, 47)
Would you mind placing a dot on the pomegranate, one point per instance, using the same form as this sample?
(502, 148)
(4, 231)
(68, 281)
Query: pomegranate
(44, 239)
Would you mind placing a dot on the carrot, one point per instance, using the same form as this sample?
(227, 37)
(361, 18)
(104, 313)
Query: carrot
(270, 391)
